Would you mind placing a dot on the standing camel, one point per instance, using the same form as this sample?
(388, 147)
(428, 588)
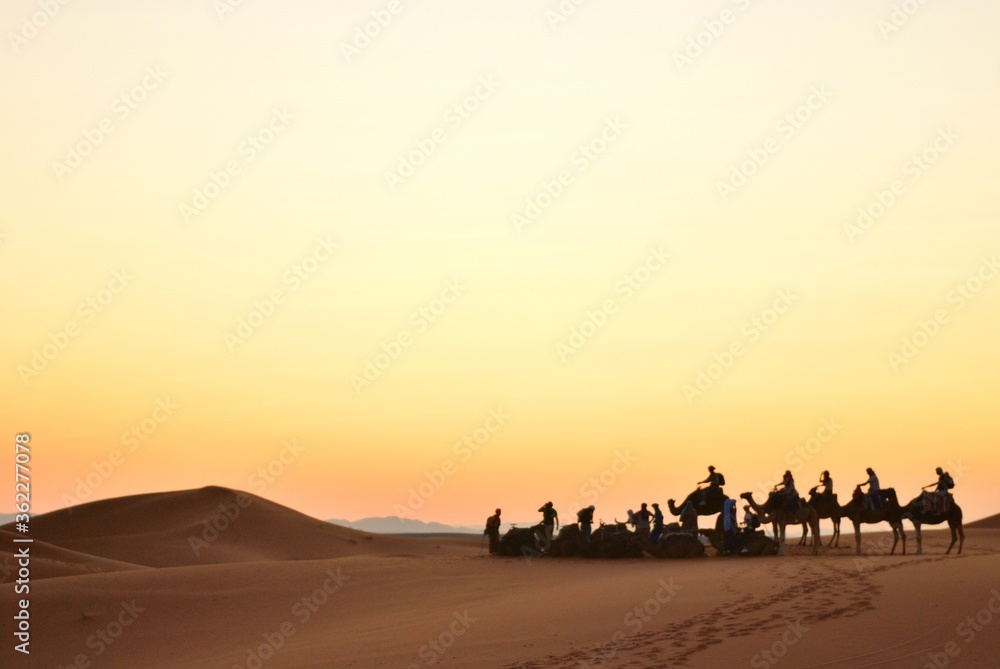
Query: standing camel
(890, 512)
(712, 505)
(782, 516)
(826, 507)
(916, 514)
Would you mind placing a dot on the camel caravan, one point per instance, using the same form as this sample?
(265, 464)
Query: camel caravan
(646, 533)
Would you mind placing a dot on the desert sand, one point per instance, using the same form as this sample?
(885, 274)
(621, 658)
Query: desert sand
(148, 582)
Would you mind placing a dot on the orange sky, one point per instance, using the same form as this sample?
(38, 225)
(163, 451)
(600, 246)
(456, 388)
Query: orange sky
(496, 254)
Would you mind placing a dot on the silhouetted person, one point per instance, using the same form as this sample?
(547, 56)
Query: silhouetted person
(750, 520)
(689, 519)
(787, 488)
(873, 500)
(715, 482)
(493, 532)
(826, 483)
(642, 517)
(944, 484)
(729, 526)
(657, 523)
(550, 521)
(586, 519)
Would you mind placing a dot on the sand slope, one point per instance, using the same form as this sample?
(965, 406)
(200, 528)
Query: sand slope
(209, 526)
(420, 603)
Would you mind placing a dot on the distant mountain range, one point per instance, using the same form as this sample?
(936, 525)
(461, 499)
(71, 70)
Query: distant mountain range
(397, 525)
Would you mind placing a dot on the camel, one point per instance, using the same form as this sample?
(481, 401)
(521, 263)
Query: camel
(712, 505)
(521, 541)
(890, 512)
(914, 511)
(782, 516)
(826, 507)
(570, 542)
(615, 540)
(676, 545)
(756, 544)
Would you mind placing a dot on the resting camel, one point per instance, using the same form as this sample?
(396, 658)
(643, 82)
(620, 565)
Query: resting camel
(757, 543)
(826, 507)
(676, 545)
(779, 513)
(615, 541)
(890, 512)
(570, 542)
(712, 505)
(916, 514)
(520, 541)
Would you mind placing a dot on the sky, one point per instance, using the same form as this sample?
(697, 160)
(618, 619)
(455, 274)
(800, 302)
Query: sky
(430, 258)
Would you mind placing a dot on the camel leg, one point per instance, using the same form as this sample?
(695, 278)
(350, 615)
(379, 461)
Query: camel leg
(836, 533)
(781, 540)
(920, 539)
(961, 539)
(805, 535)
(902, 535)
(816, 539)
(857, 538)
(954, 538)
(895, 539)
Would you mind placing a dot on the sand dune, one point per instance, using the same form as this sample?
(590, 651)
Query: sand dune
(989, 523)
(209, 526)
(266, 598)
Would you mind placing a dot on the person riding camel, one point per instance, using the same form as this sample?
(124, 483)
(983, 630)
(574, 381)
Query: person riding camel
(642, 517)
(586, 519)
(939, 500)
(549, 518)
(826, 483)
(715, 482)
(493, 532)
(657, 524)
(787, 488)
(873, 500)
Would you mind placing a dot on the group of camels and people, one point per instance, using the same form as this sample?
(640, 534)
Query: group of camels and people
(645, 530)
